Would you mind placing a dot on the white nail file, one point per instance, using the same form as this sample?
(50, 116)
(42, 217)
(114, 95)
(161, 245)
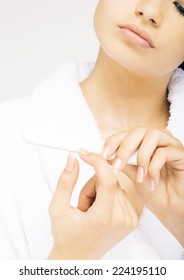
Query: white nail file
(64, 141)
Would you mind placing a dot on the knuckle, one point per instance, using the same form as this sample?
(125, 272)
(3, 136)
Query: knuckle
(175, 140)
(154, 132)
(63, 180)
(142, 159)
(160, 151)
(113, 137)
(167, 132)
(178, 142)
(140, 129)
(110, 141)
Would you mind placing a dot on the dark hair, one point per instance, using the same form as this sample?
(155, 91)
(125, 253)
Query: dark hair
(182, 66)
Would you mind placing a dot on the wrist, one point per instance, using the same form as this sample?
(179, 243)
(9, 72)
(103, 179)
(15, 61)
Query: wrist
(55, 255)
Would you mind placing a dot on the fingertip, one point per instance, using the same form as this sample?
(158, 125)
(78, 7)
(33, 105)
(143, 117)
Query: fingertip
(140, 175)
(105, 152)
(83, 152)
(70, 162)
(86, 156)
(117, 164)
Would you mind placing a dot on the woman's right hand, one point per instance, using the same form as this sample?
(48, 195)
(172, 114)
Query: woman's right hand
(104, 215)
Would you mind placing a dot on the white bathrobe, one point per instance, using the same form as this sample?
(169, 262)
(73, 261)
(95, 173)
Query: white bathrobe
(29, 174)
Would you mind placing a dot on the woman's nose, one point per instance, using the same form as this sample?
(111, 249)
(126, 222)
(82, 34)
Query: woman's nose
(150, 10)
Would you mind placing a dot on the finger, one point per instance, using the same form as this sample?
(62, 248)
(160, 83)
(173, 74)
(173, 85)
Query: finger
(145, 141)
(153, 139)
(130, 170)
(112, 143)
(174, 156)
(67, 180)
(168, 132)
(129, 145)
(106, 181)
(87, 195)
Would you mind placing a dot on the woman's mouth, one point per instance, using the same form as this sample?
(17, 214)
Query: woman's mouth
(136, 35)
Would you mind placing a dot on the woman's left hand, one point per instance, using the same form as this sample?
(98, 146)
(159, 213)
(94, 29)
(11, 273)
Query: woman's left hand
(160, 168)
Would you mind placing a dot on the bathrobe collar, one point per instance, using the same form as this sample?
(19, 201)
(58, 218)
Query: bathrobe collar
(58, 102)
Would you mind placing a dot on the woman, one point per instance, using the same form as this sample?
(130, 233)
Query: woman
(132, 97)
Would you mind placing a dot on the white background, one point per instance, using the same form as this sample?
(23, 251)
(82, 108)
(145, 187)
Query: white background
(38, 36)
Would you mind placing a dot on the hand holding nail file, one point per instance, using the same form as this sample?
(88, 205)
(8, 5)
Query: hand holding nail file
(65, 141)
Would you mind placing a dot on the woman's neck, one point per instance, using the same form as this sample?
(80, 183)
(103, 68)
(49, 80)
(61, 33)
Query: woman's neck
(120, 100)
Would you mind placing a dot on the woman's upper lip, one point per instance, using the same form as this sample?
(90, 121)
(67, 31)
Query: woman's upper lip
(141, 32)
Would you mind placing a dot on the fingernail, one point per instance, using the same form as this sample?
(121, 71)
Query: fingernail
(152, 184)
(117, 164)
(70, 162)
(140, 175)
(105, 151)
(83, 152)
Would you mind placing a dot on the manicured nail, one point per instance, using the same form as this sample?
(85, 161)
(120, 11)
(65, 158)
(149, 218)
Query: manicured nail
(70, 162)
(152, 185)
(105, 151)
(140, 175)
(117, 164)
(83, 152)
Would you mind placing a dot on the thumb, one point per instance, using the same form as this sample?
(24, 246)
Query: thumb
(87, 194)
(67, 180)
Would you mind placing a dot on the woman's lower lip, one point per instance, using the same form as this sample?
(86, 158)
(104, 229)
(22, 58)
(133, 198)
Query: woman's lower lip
(135, 38)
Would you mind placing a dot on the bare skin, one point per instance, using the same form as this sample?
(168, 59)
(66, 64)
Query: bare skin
(120, 100)
(159, 176)
(113, 112)
(104, 215)
(127, 94)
